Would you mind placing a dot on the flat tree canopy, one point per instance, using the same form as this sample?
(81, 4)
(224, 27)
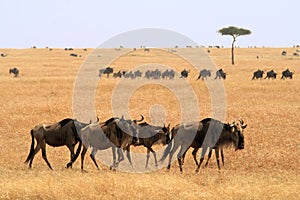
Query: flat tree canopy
(234, 32)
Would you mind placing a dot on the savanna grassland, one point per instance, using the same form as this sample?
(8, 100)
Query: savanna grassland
(268, 167)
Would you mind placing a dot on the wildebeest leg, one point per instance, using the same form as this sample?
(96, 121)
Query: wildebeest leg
(154, 155)
(217, 157)
(128, 155)
(183, 149)
(43, 147)
(204, 149)
(92, 155)
(74, 157)
(71, 148)
(120, 155)
(82, 156)
(175, 147)
(113, 166)
(37, 148)
(147, 158)
(222, 155)
(195, 155)
(209, 156)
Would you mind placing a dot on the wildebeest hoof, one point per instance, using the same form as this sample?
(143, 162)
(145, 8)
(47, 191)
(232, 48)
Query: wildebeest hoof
(69, 165)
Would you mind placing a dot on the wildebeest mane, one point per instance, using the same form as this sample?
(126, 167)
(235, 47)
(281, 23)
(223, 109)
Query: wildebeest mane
(64, 121)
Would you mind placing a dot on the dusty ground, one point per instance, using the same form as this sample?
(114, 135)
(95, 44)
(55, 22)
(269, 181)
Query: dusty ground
(268, 167)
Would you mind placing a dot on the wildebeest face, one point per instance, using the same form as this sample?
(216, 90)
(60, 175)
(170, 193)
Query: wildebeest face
(166, 134)
(237, 134)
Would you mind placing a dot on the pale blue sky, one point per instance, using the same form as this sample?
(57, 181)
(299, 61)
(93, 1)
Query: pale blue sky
(74, 23)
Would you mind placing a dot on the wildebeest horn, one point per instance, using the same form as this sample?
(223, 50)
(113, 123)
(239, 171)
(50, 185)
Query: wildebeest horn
(135, 121)
(242, 124)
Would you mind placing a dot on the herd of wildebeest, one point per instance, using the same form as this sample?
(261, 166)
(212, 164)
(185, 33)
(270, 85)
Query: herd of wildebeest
(170, 74)
(120, 134)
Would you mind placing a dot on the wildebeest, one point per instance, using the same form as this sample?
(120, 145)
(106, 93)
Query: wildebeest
(283, 53)
(3, 55)
(206, 134)
(204, 74)
(56, 135)
(73, 54)
(287, 74)
(184, 73)
(150, 135)
(258, 74)
(14, 71)
(117, 74)
(170, 74)
(107, 71)
(146, 49)
(220, 74)
(115, 133)
(271, 74)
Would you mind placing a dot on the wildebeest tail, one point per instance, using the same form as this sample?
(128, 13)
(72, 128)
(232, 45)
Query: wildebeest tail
(31, 148)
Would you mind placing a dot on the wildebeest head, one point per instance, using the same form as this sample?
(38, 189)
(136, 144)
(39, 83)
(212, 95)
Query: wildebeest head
(129, 127)
(165, 139)
(235, 131)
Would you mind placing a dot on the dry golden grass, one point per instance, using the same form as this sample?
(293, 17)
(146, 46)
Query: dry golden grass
(268, 167)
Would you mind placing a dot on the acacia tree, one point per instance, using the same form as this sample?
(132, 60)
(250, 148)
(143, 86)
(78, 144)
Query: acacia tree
(234, 32)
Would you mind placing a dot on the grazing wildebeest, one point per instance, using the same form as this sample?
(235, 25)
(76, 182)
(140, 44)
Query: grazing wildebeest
(115, 133)
(14, 71)
(295, 54)
(271, 74)
(56, 135)
(146, 49)
(283, 53)
(184, 73)
(73, 54)
(206, 134)
(107, 71)
(117, 74)
(150, 135)
(258, 74)
(287, 74)
(3, 55)
(220, 74)
(204, 74)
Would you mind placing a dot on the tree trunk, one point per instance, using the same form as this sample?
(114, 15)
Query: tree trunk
(232, 51)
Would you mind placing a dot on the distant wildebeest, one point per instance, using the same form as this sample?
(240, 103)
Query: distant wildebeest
(146, 49)
(206, 134)
(3, 55)
(287, 74)
(137, 74)
(73, 54)
(69, 49)
(117, 74)
(271, 74)
(220, 74)
(258, 74)
(283, 53)
(14, 71)
(295, 54)
(115, 133)
(56, 135)
(107, 71)
(204, 74)
(184, 73)
(170, 74)
(150, 135)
